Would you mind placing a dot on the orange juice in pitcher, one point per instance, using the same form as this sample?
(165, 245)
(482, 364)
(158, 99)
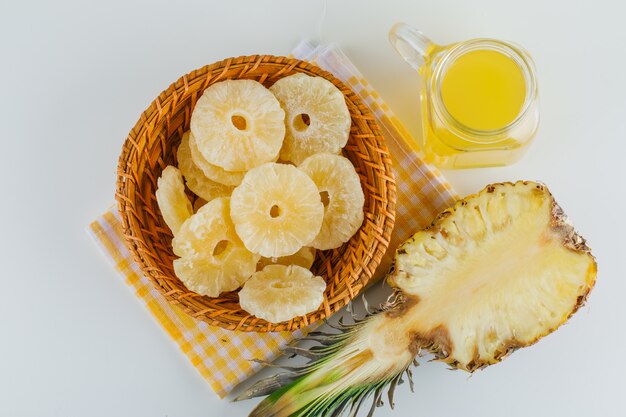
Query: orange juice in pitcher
(478, 98)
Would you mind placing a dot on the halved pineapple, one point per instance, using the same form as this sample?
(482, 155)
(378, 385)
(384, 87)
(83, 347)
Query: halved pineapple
(212, 257)
(238, 125)
(280, 293)
(317, 117)
(514, 267)
(494, 273)
(213, 172)
(341, 194)
(197, 182)
(304, 258)
(173, 202)
(276, 210)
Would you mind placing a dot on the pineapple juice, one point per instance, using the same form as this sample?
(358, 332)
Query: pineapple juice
(478, 99)
(481, 94)
(483, 90)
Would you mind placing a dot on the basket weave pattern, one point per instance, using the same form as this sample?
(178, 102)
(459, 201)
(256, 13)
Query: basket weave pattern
(151, 146)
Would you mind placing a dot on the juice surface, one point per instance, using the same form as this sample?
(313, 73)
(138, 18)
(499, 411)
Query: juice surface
(483, 90)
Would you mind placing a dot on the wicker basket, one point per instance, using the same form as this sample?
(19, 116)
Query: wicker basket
(151, 146)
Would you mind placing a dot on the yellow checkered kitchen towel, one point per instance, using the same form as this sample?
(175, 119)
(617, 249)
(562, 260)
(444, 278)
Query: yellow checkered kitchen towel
(223, 357)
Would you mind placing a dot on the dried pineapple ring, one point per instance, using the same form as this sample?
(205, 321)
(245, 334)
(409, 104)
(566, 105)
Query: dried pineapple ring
(238, 125)
(276, 210)
(173, 202)
(280, 293)
(213, 172)
(197, 182)
(213, 258)
(343, 198)
(317, 118)
(304, 258)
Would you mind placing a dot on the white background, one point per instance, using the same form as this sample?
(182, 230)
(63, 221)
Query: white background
(76, 75)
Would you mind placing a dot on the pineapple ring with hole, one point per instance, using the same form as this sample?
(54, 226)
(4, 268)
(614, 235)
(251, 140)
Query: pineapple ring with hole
(276, 210)
(213, 172)
(173, 202)
(212, 257)
(238, 125)
(197, 182)
(317, 118)
(304, 258)
(340, 189)
(280, 293)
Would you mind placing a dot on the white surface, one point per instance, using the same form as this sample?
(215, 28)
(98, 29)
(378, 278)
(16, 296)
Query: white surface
(76, 76)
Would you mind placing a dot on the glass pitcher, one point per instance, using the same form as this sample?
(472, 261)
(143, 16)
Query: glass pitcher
(478, 98)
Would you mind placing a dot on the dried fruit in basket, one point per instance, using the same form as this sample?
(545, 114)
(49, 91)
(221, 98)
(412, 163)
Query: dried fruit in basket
(276, 210)
(317, 117)
(280, 293)
(213, 172)
(304, 258)
(173, 202)
(342, 196)
(197, 182)
(496, 272)
(238, 125)
(212, 257)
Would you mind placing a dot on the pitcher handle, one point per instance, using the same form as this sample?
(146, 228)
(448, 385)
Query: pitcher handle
(412, 45)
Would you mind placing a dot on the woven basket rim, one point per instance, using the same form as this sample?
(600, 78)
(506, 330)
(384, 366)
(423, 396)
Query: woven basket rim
(162, 118)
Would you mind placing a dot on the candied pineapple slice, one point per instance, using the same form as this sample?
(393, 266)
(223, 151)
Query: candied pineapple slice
(197, 182)
(280, 293)
(213, 172)
(212, 257)
(317, 117)
(276, 210)
(342, 196)
(171, 198)
(238, 125)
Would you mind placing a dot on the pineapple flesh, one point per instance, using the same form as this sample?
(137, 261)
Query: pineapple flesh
(510, 263)
(494, 273)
